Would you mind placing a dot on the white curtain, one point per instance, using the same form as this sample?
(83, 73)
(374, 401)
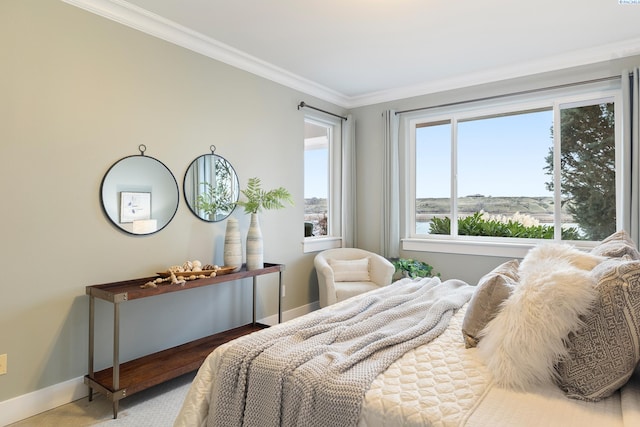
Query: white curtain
(631, 100)
(348, 183)
(390, 243)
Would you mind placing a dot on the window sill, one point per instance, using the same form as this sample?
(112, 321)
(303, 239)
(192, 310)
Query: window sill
(497, 248)
(317, 244)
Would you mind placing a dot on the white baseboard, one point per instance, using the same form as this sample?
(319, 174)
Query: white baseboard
(291, 314)
(42, 400)
(30, 404)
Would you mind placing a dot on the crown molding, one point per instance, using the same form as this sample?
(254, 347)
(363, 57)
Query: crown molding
(140, 19)
(154, 25)
(577, 58)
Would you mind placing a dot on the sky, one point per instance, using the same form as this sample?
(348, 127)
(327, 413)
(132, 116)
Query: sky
(316, 168)
(502, 156)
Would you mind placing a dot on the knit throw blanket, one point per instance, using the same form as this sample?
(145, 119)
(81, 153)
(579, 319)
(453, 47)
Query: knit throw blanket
(315, 370)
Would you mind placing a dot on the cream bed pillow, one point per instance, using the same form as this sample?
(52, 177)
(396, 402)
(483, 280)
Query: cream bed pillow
(493, 288)
(616, 246)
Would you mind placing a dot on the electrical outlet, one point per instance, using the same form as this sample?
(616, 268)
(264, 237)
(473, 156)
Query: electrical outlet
(284, 288)
(3, 364)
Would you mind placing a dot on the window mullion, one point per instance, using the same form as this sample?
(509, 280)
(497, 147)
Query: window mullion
(454, 176)
(557, 172)
(412, 179)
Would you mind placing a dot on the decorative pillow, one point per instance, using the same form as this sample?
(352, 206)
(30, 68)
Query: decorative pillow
(493, 288)
(525, 340)
(616, 246)
(352, 270)
(537, 256)
(603, 355)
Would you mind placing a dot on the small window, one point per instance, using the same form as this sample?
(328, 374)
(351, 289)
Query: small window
(322, 183)
(316, 178)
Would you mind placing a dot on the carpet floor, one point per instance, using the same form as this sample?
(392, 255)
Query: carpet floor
(155, 407)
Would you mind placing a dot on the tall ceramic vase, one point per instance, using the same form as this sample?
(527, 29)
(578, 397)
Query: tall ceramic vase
(233, 245)
(254, 244)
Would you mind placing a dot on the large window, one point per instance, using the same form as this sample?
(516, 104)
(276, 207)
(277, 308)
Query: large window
(322, 182)
(523, 171)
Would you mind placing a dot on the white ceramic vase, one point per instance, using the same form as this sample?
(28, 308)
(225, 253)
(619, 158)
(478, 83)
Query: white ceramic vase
(254, 244)
(233, 245)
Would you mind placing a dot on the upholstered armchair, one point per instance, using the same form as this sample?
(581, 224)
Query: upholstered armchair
(346, 272)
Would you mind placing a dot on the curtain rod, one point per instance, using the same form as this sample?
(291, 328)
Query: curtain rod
(304, 104)
(524, 92)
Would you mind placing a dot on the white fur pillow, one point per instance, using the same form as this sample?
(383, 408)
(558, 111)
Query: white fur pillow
(351, 270)
(550, 251)
(525, 340)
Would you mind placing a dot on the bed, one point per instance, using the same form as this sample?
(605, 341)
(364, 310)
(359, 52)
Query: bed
(448, 376)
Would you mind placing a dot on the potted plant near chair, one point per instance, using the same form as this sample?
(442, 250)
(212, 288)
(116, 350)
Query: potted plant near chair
(257, 200)
(412, 268)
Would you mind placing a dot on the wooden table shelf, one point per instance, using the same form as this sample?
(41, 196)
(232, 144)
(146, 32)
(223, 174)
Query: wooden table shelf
(122, 380)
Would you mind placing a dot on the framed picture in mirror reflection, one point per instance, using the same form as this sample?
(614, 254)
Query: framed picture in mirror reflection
(134, 206)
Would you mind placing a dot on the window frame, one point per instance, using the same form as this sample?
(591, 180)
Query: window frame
(499, 246)
(333, 239)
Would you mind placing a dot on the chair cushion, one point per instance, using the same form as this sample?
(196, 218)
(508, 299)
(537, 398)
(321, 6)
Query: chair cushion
(350, 270)
(345, 290)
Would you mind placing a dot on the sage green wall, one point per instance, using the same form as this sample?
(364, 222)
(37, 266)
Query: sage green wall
(79, 92)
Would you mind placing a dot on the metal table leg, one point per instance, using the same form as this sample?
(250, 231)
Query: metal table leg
(280, 296)
(116, 355)
(92, 303)
(254, 299)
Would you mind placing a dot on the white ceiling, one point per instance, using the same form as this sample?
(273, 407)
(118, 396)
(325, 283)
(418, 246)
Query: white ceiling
(358, 52)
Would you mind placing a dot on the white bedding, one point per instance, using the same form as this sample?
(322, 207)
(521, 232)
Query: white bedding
(445, 384)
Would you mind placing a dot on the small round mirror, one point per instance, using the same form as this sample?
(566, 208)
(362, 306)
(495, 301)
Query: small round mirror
(139, 194)
(211, 188)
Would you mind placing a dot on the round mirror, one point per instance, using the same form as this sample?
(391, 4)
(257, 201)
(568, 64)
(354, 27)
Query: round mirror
(211, 187)
(139, 194)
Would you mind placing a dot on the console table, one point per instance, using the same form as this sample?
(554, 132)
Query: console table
(122, 380)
